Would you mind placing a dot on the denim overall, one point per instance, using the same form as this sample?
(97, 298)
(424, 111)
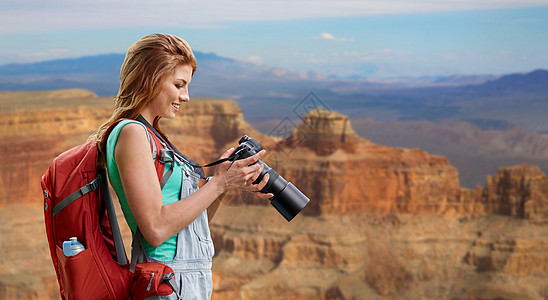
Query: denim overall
(192, 262)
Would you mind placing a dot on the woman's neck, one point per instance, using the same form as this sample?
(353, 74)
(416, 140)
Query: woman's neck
(149, 116)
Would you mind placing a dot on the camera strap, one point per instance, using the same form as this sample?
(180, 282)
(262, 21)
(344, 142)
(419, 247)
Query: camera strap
(217, 162)
(234, 157)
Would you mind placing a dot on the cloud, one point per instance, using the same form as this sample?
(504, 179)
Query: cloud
(255, 59)
(329, 37)
(39, 15)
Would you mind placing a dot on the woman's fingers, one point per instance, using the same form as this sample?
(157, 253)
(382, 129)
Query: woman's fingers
(256, 173)
(252, 159)
(243, 173)
(263, 195)
(263, 182)
(258, 187)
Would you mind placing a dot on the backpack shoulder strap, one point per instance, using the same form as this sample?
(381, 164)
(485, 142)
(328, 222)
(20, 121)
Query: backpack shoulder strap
(156, 147)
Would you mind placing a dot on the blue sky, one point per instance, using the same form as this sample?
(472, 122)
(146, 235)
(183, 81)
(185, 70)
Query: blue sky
(376, 39)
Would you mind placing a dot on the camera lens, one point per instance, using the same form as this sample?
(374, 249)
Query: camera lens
(289, 202)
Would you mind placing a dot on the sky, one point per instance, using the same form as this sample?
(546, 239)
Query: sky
(374, 39)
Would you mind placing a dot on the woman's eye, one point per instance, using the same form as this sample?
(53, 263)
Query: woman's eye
(179, 86)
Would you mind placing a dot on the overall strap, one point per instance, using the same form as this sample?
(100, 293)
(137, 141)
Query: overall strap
(137, 251)
(164, 158)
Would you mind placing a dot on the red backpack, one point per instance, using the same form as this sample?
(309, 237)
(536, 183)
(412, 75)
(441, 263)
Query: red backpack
(78, 204)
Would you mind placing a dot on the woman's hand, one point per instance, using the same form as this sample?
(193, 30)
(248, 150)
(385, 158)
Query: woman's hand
(241, 174)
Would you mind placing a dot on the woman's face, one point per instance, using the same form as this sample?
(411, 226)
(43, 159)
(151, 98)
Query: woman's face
(174, 92)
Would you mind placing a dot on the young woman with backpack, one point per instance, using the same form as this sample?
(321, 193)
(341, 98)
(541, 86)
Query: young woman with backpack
(168, 209)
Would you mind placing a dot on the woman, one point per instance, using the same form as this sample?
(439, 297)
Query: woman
(173, 220)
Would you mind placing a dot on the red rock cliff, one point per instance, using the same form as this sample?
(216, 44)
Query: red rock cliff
(341, 172)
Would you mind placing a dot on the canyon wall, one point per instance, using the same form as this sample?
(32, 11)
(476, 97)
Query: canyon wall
(382, 223)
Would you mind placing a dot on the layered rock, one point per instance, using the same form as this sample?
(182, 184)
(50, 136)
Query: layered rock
(38, 128)
(341, 172)
(324, 132)
(376, 256)
(516, 256)
(520, 191)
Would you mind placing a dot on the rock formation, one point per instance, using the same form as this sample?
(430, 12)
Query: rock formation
(520, 191)
(324, 132)
(383, 223)
(343, 173)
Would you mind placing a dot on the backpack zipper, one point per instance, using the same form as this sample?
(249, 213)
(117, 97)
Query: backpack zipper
(150, 282)
(46, 199)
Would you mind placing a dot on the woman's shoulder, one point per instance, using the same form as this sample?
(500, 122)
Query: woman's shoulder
(127, 139)
(132, 143)
(127, 131)
(132, 130)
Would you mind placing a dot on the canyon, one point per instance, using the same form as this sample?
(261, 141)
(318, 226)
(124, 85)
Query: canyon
(476, 152)
(382, 223)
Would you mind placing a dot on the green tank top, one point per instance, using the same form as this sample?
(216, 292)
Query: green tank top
(170, 194)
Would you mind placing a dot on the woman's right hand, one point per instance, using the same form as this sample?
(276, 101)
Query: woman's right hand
(240, 174)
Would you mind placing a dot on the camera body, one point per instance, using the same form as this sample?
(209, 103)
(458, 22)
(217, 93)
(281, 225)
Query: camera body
(288, 200)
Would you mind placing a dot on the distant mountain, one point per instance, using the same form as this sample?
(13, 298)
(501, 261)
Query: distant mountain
(100, 74)
(460, 79)
(104, 64)
(532, 82)
(535, 81)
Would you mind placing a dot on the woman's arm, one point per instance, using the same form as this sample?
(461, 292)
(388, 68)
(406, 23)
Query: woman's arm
(143, 193)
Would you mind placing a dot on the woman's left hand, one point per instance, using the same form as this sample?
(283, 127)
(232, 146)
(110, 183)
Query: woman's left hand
(255, 189)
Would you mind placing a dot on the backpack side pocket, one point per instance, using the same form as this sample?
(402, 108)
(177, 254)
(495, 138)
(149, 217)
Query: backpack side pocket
(153, 279)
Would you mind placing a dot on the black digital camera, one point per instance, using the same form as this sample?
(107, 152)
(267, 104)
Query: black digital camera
(288, 200)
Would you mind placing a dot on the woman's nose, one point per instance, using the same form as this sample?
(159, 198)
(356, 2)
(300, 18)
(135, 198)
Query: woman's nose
(183, 96)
